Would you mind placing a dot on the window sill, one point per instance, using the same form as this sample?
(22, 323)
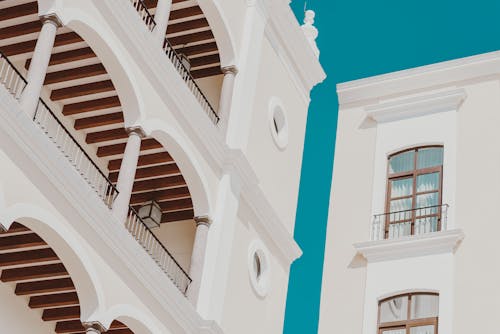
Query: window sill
(410, 246)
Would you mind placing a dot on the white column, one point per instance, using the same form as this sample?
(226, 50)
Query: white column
(226, 95)
(162, 15)
(198, 257)
(126, 176)
(93, 327)
(39, 63)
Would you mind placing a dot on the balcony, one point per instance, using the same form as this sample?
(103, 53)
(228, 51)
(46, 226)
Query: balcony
(46, 120)
(419, 221)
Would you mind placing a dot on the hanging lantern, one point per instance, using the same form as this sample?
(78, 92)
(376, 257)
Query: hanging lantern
(150, 213)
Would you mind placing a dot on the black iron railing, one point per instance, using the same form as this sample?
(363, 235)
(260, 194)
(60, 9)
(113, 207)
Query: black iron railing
(144, 13)
(417, 221)
(143, 234)
(76, 155)
(11, 78)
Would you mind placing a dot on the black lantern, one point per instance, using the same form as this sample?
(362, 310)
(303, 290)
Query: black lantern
(150, 213)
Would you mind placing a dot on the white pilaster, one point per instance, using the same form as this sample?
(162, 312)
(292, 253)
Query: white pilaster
(198, 257)
(226, 95)
(39, 63)
(93, 327)
(162, 16)
(126, 176)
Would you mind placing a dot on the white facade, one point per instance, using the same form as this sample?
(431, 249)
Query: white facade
(221, 142)
(452, 105)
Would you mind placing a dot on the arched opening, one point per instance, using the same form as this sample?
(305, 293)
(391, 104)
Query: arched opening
(60, 291)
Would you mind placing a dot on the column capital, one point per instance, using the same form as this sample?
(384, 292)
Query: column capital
(203, 220)
(137, 130)
(94, 327)
(231, 69)
(51, 18)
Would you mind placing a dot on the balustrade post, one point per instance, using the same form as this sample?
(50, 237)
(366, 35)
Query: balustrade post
(226, 95)
(93, 327)
(162, 15)
(198, 257)
(40, 63)
(126, 176)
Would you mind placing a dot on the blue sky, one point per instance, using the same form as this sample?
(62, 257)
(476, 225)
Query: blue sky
(361, 38)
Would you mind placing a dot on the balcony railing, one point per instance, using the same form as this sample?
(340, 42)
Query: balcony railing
(76, 155)
(11, 78)
(175, 59)
(141, 232)
(144, 13)
(418, 221)
(189, 80)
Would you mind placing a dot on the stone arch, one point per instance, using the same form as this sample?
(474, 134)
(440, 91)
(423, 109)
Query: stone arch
(68, 248)
(135, 318)
(186, 160)
(223, 36)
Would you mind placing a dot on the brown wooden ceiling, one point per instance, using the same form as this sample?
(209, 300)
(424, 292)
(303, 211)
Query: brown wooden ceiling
(79, 83)
(39, 275)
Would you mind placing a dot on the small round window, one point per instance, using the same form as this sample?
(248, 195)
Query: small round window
(278, 123)
(259, 270)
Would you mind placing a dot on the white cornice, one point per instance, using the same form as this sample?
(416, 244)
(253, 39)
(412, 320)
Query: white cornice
(416, 106)
(411, 246)
(436, 75)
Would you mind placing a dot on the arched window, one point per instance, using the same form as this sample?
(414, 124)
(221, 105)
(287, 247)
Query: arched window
(413, 313)
(414, 192)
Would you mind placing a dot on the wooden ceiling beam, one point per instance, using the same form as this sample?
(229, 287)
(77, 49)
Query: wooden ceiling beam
(34, 272)
(74, 74)
(15, 228)
(96, 121)
(29, 46)
(177, 216)
(142, 173)
(198, 49)
(67, 57)
(160, 195)
(176, 205)
(82, 90)
(20, 29)
(57, 300)
(144, 160)
(185, 13)
(205, 60)
(107, 135)
(30, 8)
(146, 144)
(61, 313)
(48, 286)
(206, 72)
(160, 183)
(191, 38)
(92, 105)
(27, 257)
(175, 28)
(21, 241)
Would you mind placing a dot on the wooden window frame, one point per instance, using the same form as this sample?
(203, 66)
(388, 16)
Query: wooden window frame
(414, 173)
(408, 323)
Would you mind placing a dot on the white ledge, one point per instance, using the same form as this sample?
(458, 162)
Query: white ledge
(411, 246)
(450, 100)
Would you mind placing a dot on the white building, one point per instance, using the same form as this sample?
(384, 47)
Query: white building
(412, 235)
(149, 184)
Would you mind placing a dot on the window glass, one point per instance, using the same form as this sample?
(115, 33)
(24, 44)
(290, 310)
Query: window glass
(401, 187)
(402, 162)
(395, 309)
(394, 331)
(429, 329)
(401, 204)
(428, 182)
(426, 200)
(424, 306)
(430, 157)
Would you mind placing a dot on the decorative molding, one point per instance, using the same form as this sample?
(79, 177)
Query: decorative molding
(51, 18)
(411, 246)
(420, 78)
(203, 220)
(94, 327)
(416, 106)
(232, 69)
(137, 130)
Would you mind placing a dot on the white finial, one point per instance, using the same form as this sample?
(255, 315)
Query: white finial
(310, 30)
